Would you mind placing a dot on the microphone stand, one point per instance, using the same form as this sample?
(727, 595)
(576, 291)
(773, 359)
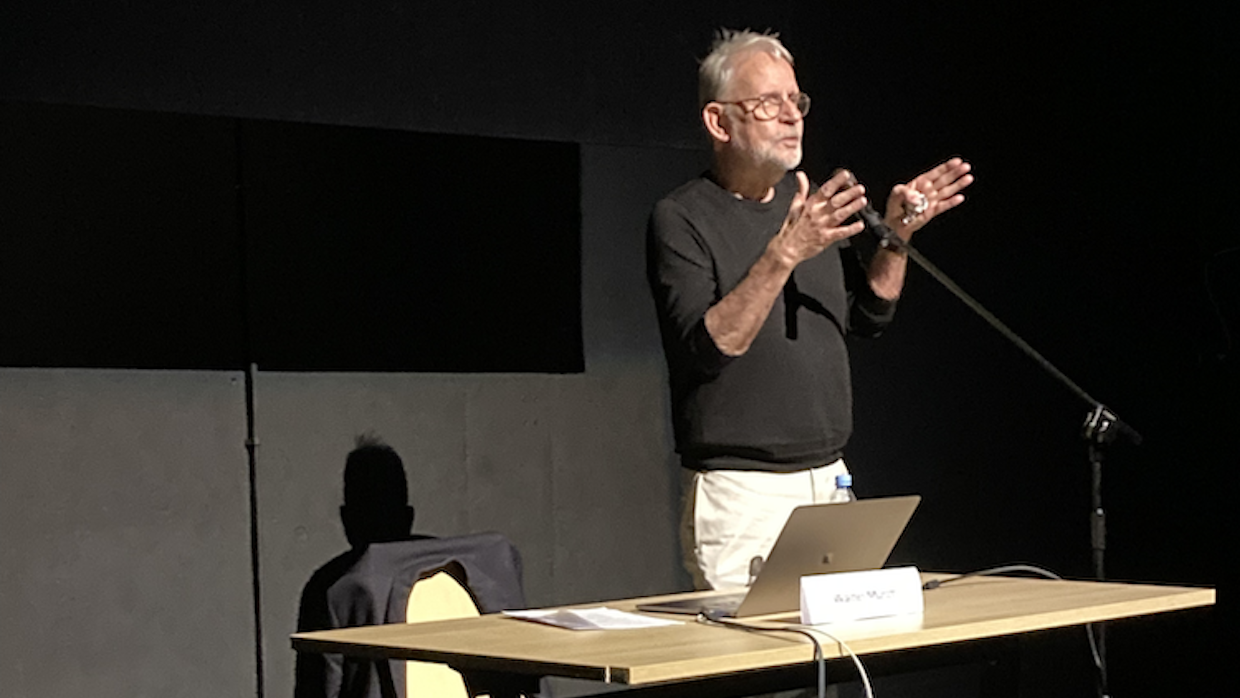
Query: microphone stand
(1101, 426)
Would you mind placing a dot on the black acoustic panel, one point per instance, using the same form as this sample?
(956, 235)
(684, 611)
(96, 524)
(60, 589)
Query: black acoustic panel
(120, 245)
(376, 250)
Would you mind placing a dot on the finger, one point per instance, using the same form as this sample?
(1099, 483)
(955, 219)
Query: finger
(798, 199)
(849, 230)
(950, 189)
(941, 207)
(949, 165)
(849, 209)
(841, 179)
(907, 203)
(941, 175)
(905, 196)
(838, 207)
(802, 184)
(848, 196)
(952, 174)
(933, 174)
(947, 204)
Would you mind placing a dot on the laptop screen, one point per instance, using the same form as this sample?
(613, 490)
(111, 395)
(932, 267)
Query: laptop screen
(817, 539)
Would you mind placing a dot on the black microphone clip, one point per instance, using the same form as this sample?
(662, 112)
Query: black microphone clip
(887, 238)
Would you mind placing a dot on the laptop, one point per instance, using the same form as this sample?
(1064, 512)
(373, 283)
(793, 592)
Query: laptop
(817, 539)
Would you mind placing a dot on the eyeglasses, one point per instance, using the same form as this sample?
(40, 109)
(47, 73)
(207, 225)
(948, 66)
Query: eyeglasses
(767, 107)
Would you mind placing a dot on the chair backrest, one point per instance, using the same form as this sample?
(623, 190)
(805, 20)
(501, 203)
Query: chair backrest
(437, 597)
(380, 583)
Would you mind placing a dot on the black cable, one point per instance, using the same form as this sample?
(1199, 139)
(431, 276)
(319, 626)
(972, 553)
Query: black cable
(1089, 627)
(819, 658)
(936, 583)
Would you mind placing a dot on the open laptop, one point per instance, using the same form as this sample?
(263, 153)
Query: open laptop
(817, 539)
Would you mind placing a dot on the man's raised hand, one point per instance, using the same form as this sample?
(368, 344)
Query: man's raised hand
(816, 220)
(933, 192)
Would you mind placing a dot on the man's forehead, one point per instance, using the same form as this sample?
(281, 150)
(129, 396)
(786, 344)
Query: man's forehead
(759, 69)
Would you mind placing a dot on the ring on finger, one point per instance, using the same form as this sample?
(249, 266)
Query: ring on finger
(912, 211)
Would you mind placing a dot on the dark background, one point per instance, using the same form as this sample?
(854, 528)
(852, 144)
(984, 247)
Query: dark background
(427, 219)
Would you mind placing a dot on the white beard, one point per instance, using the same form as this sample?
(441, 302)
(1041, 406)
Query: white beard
(773, 156)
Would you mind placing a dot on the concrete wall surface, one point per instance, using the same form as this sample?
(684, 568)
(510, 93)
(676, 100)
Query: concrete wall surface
(124, 544)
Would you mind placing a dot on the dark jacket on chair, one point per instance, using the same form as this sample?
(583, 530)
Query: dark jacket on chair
(371, 586)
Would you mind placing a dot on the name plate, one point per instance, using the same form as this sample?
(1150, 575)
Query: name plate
(849, 596)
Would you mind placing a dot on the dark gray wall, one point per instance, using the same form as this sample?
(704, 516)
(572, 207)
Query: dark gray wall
(124, 545)
(1084, 232)
(576, 469)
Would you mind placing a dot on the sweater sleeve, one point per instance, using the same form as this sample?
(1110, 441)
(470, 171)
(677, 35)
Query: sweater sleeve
(682, 278)
(868, 314)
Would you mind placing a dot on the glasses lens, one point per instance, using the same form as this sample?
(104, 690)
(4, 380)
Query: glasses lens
(770, 105)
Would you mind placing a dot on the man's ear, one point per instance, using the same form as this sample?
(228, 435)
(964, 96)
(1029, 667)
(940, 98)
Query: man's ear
(715, 122)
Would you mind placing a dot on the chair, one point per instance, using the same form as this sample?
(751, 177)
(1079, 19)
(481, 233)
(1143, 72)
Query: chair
(437, 597)
(423, 579)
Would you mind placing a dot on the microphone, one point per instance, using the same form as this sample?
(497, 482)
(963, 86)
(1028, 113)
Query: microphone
(887, 238)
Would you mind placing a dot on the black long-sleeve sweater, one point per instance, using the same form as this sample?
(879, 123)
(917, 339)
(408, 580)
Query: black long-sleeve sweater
(786, 404)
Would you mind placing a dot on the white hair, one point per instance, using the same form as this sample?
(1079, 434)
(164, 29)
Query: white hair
(716, 69)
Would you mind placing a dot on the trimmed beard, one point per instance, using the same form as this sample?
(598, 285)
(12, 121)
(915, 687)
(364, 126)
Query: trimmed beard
(772, 156)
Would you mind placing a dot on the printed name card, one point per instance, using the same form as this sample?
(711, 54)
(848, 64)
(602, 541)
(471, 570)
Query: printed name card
(850, 596)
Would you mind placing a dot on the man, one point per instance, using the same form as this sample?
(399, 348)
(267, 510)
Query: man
(756, 285)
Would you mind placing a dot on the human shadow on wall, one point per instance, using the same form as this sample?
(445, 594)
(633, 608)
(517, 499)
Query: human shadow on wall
(372, 583)
(376, 509)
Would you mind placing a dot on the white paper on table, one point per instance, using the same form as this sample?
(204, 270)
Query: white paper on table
(598, 618)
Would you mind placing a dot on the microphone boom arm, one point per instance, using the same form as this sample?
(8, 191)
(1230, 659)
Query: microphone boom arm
(1101, 426)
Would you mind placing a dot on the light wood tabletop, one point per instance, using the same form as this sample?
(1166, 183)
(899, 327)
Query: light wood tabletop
(968, 609)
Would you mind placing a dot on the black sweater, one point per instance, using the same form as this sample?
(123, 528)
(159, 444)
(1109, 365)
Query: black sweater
(786, 404)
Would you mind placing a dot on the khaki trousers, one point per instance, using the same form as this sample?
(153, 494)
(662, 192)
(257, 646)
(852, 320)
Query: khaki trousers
(729, 517)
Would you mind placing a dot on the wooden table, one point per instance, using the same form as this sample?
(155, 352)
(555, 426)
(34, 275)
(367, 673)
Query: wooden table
(969, 609)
